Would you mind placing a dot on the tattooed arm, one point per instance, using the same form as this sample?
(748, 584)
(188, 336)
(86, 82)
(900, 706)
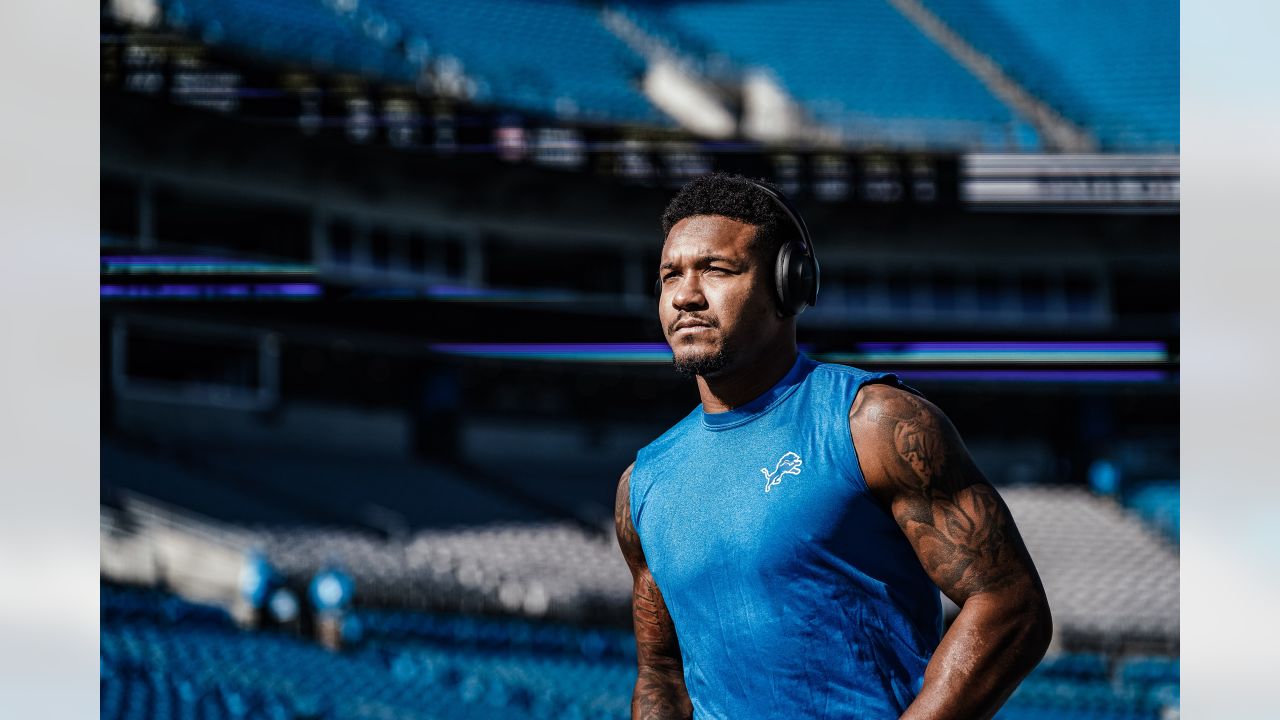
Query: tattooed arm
(917, 467)
(659, 693)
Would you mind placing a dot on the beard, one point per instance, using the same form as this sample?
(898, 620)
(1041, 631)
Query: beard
(701, 364)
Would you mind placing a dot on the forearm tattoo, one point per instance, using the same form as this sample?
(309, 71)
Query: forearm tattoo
(659, 691)
(960, 528)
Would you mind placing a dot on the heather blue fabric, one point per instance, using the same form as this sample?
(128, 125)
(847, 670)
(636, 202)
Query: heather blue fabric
(793, 593)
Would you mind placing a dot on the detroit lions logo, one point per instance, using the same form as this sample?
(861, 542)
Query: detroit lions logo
(788, 464)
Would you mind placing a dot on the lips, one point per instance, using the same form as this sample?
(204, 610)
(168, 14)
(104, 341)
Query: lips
(688, 323)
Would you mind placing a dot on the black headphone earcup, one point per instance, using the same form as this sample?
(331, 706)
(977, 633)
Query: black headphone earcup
(815, 279)
(795, 279)
(781, 277)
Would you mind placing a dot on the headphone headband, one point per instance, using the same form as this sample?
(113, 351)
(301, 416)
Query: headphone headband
(796, 272)
(790, 211)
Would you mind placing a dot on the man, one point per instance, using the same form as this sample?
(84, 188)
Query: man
(788, 538)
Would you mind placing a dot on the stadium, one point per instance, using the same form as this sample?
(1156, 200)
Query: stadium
(378, 333)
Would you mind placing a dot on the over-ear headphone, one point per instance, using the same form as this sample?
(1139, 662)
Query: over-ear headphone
(795, 273)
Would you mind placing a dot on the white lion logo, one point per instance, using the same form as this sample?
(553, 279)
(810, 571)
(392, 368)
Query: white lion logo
(788, 464)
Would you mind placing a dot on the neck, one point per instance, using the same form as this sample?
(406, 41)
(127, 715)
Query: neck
(748, 381)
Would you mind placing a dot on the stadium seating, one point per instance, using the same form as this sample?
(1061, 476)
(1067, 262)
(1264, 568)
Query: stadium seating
(156, 665)
(1157, 678)
(162, 657)
(1111, 67)
(1107, 575)
(538, 570)
(147, 606)
(553, 57)
(396, 628)
(860, 66)
(1083, 667)
(1064, 685)
(300, 31)
(1110, 578)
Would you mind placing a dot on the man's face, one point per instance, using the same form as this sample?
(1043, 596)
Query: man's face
(715, 307)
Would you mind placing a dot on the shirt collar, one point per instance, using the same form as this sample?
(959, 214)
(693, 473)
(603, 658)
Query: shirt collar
(762, 403)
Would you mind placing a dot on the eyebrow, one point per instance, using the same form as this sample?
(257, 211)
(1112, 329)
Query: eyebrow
(702, 260)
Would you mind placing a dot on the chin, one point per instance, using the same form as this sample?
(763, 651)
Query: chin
(707, 363)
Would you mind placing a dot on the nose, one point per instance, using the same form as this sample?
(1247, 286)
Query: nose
(687, 294)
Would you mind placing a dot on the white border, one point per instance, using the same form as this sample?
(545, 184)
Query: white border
(49, 359)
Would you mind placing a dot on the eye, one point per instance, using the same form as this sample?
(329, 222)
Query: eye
(670, 276)
(718, 270)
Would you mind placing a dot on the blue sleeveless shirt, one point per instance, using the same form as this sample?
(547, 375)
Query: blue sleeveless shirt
(793, 593)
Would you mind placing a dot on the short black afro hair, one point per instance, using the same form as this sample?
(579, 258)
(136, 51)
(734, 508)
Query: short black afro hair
(736, 197)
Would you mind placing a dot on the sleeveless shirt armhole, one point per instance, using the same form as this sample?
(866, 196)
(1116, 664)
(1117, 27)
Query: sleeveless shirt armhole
(631, 494)
(633, 508)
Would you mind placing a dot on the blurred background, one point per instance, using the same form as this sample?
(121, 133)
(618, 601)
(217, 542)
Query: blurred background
(378, 335)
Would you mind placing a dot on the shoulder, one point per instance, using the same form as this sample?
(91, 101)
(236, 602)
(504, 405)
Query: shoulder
(889, 423)
(880, 411)
(876, 400)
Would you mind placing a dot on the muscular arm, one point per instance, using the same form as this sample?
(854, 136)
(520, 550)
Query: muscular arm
(659, 693)
(917, 466)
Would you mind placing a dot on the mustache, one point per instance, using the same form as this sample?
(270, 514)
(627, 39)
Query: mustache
(704, 320)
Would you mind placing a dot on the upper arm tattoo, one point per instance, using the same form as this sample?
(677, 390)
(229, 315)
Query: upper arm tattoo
(917, 465)
(660, 691)
(628, 539)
